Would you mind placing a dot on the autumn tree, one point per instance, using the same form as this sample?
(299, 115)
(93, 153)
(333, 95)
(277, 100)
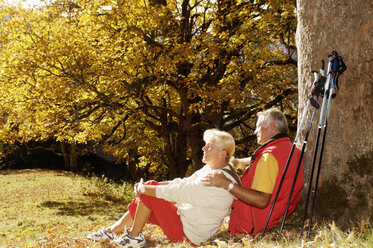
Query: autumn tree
(43, 78)
(145, 78)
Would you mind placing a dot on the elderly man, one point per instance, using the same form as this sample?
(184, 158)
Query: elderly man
(262, 176)
(199, 211)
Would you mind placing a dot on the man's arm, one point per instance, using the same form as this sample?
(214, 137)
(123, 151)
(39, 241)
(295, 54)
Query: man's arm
(252, 197)
(240, 162)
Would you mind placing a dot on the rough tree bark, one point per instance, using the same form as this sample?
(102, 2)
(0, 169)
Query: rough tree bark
(346, 189)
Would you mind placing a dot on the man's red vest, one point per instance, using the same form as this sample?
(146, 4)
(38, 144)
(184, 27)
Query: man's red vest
(249, 219)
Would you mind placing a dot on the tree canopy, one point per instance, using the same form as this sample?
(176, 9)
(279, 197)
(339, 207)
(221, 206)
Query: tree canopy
(144, 79)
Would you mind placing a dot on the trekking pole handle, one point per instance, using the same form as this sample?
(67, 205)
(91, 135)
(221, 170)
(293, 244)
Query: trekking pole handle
(316, 77)
(325, 95)
(316, 89)
(322, 69)
(302, 121)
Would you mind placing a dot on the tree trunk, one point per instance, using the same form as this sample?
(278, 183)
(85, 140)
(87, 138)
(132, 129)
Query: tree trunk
(181, 154)
(133, 160)
(65, 156)
(73, 157)
(195, 142)
(345, 189)
(177, 155)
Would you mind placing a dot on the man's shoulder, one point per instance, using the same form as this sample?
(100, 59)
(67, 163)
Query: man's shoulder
(267, 160)
(268, 156)
(279, 144)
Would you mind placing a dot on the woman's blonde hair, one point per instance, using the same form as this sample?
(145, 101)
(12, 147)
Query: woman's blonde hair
(222, 139)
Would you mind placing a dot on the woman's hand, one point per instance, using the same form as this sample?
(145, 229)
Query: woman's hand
(139, 187)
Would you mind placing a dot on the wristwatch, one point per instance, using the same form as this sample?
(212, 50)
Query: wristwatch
(230, 187)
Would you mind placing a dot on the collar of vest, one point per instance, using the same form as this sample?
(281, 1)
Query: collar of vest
(274, 138)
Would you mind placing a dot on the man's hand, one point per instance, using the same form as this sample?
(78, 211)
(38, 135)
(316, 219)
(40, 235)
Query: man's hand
(240, 162)
(216, 179)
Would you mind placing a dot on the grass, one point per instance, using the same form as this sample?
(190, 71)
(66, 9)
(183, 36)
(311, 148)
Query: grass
(44, 208)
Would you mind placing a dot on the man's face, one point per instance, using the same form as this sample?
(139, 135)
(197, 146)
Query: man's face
(263, 133)
(212, 153)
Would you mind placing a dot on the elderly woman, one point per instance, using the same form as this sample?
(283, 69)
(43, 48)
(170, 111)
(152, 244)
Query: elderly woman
(185, 209)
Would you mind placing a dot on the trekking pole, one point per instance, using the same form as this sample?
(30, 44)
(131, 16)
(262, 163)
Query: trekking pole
(315, 91)
(337, 68)
(322, 74)
(287, 165)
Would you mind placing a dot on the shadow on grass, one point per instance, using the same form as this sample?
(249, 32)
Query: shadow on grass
(117, 200)
(89, 208)
(32, 171)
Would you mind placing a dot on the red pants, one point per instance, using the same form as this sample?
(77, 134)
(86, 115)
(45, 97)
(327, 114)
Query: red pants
(164, 214)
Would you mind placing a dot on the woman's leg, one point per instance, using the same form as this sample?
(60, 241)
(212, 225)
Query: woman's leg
(142, 216)
(159, 212)
(127, 220)
(118, 227)
(163, 214)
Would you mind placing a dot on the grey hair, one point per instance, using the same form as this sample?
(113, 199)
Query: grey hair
(276, 116)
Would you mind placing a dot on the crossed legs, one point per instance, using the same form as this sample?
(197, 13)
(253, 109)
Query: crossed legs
(142, 215)
(156, 211)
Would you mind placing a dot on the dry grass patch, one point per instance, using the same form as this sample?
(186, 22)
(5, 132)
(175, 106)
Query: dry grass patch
(44, 208)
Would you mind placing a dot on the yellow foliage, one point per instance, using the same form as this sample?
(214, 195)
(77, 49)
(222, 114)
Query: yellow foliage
(131, 71)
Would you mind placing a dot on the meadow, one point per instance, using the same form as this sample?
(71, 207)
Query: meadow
(46, 208)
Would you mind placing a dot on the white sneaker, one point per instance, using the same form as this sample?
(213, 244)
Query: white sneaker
(102, 235)
(127, 241)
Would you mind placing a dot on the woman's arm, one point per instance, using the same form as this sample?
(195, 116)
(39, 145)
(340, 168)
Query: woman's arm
(150, 190)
